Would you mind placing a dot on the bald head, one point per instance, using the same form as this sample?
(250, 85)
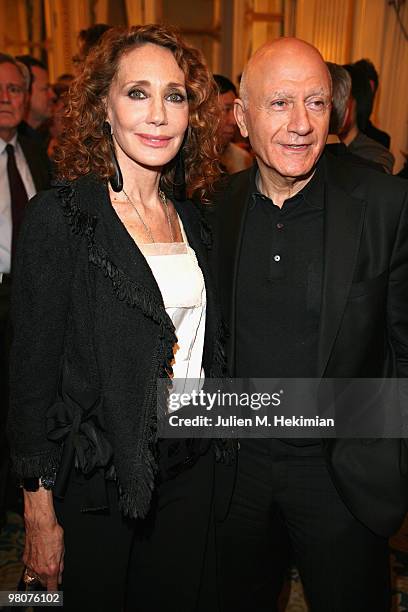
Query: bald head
(285, 108)
(278, 53)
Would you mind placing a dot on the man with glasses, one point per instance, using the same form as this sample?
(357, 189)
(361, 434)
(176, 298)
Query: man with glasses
(24, 170)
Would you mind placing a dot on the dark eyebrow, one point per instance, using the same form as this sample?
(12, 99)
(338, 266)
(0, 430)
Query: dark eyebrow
(144, 83)
(175, 84)
(15, 84)
(147, 83)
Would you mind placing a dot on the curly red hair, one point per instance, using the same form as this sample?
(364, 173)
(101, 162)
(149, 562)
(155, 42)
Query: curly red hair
(84, 147)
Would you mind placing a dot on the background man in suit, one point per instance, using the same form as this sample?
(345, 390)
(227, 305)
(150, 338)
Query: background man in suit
(341, 90)
(311, 261)
(41, 95)
(352, 133)
(24, 170)
(368, 68)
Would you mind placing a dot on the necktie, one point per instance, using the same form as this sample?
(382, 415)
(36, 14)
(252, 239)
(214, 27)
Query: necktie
(18, 195)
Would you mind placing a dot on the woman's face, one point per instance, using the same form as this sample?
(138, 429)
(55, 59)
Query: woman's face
(147, 106)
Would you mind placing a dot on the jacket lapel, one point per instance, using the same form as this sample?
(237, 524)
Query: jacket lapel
(191, 223)
(232, 212)
(37, 161)
(344, 216)
(124, 253)
(112, 236)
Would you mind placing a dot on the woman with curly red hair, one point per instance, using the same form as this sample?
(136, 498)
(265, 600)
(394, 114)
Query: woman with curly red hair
(111, 292)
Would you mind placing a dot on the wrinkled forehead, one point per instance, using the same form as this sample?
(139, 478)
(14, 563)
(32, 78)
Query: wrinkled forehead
(291, 74)
(9, 73)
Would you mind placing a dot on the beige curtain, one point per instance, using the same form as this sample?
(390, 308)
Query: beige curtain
(328, 26)
(101, 11)
(393, 94)
(140, 12)
(37, 33)
(348, 30)
(63, 21)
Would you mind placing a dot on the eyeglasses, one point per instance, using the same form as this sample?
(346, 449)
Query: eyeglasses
(14, 91)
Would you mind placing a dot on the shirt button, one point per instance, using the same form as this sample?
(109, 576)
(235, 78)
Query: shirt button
(280, 225)
(277, 258)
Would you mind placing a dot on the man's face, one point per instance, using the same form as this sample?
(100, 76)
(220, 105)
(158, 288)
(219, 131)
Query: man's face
(228, 123)
(287, 110)
(13, 99)
(41, 95)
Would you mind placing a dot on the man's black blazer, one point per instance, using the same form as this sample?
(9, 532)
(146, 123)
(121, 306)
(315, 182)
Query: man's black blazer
(37, 160)
(379, 135)
(364, 315)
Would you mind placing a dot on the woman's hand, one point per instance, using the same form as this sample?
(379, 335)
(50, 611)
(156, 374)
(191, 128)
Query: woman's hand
(44, 543)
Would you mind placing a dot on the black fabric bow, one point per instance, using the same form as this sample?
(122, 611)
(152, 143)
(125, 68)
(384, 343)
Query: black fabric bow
(76, 420)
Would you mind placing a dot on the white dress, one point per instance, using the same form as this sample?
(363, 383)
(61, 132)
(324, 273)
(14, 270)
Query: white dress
(178, 275)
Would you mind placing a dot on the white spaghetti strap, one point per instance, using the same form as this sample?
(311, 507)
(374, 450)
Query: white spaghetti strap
(183, 233)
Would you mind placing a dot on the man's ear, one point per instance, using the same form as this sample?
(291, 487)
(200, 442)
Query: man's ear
(239, 114)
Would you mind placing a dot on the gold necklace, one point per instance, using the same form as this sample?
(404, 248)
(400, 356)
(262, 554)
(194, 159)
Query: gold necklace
(147, 229)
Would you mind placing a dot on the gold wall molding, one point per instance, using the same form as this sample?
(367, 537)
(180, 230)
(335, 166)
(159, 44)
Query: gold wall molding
(14, 33)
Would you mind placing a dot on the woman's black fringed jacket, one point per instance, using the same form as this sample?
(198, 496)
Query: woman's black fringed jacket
(91, 338)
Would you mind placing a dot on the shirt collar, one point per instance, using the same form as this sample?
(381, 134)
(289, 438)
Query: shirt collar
(312, 193)
(3, 143)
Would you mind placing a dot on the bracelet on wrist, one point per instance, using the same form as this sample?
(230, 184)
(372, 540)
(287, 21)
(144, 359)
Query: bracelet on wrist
(33, 484)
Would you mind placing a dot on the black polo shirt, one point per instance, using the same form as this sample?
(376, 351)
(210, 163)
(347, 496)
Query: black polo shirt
(279, 284)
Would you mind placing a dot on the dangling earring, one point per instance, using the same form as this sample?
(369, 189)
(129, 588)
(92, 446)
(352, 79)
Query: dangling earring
(179, 181)
(116, 180)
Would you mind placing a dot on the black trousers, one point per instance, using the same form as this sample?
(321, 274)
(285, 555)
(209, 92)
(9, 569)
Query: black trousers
(162, 561)
(282, 494)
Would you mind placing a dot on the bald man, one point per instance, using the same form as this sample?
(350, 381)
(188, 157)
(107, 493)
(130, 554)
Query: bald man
(311, 262)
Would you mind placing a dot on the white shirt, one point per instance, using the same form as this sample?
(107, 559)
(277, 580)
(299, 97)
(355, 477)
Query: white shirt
(176, 270)
(5, 199)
